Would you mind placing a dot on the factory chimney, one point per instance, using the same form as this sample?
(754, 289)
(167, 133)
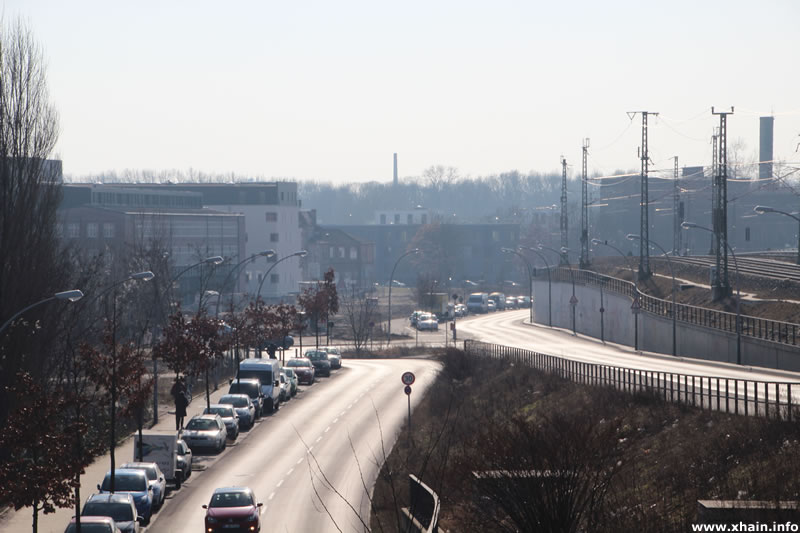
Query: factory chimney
(395, 169)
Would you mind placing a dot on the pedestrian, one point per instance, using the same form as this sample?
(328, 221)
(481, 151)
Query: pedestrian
(179, 394)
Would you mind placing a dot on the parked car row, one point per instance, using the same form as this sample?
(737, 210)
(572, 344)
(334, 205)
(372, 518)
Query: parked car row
(481, 302)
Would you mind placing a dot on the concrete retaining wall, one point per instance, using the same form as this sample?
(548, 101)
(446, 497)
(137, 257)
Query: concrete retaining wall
(655, 332)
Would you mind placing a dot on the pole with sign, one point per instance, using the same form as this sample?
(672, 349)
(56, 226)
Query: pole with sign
(408, 379)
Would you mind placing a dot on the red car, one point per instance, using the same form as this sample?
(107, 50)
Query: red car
(304, 369)
(233, 509)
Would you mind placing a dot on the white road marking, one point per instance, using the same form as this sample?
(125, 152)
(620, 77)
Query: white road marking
(318, 439)
(289, 473)
(335, 420)
(299, 461)
(349, 406)
(279, 484)
(271, 496)
(327, 429)
(343, 413)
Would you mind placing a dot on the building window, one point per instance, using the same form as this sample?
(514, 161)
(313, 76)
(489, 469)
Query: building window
(353, 253)
(331, 252)
(273, 278)
(410, 219)
(273, 237)
(73, 230)
(272, 217)
(383, 218)
(108, 230)
(424, 219)
(397, 219)
(495, 236)
(91, 230)
(341, 252)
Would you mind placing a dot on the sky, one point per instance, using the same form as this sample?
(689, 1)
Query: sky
(329, 90)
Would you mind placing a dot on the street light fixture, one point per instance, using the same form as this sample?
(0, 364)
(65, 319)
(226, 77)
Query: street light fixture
(391, 282)
(549, 284)
(692, 225)
(299, 253)
(635, 305)
(71, 296)
(761, 209)
(650, 242)
(573, 302)
(264, 253)
(530, 275)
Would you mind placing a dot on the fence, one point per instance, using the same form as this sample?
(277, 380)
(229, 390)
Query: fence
(759, 328)
(770, 399)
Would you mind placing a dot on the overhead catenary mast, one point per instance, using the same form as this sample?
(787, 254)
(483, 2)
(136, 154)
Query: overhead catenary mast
(584, 260)
(564, 260)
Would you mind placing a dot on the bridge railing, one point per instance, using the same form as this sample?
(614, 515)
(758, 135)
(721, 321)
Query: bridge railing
(759, 328)
(769, 399)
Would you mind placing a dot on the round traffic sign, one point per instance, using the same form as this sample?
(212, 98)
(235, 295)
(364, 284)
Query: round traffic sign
(407, 390)
(408, 378)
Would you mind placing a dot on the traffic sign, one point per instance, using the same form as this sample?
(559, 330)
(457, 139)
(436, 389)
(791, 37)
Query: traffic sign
(573, 300)
(635, 306)
(407, 390)
(408, 378)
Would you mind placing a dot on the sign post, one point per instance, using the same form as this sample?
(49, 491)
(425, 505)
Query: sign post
(408, 379)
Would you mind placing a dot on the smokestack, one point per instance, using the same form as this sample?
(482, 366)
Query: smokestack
(395, 169)
(765, 147)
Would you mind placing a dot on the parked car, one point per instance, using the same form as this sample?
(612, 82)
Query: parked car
(184, 458)
(415, 317)
(251, 387)
(119, 506)
(228, 415)
(499, 299)
(460, 310)
(292, 377)
(512, 302)
(267, 371)
(233, 508)
(94, 524)
(155, 478)
(286, 387)
(135, 483)
(206, 431)
(491, 306)
(303, 368)
(243, 406)
(334, 356)
(319, 358)
(478, 302)
(427, 322)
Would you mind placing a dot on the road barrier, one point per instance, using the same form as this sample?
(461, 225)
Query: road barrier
(422, 516)
(769, 399)
(759, 328)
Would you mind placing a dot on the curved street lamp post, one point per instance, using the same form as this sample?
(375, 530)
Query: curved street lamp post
(635, 304)
(692, 225)
(70, 296)
(391, 282)
(549, 284)
(299, 253)
(650, 242)
(573, 302)
(761, 209)
(530, 275)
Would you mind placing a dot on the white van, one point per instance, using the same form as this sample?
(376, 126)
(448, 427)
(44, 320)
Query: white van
(269, 372)
(478, 302)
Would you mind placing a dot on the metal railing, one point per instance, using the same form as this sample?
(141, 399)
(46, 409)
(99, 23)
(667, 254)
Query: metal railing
(758, 328)
(769, 399)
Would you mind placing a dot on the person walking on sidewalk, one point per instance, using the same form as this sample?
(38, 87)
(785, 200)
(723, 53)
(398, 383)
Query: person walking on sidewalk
(179, 394)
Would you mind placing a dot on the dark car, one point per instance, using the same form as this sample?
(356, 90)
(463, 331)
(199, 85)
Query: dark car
(303, 368)
(319, 358)
(135, 483)
(119, 506)
(251, 387)
(233, 509)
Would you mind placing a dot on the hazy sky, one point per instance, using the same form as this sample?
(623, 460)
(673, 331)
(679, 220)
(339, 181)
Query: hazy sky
(328, 90)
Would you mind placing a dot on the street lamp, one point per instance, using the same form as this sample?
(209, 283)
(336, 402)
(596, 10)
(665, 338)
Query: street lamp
(761, 209)
(70, 296)
(573, 302)
(391, 282)
(265, 253)
(650, 242)
(635, 304)
(549, 284)
(530, 274)
(300, 253)
(692, 225)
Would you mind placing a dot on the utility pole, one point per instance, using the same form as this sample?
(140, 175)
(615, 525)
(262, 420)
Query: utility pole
(719, 212)
(584, 260)
(564, 260)
(714, 192)
(644, 227)
(677, 214)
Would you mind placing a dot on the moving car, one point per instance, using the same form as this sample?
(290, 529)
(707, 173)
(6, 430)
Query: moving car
(268, 372)
(460, 310)
(233, 508)
(512, 302)
(427, 322)
(243, 406)
(118, 506)
(228, 415)
(304, 369)
(206, 431)
(184, 459)
(499, 300)
(93, 524)
(478, 302)
(135, 483)
(334, 356)
(292, 377)
(251, 387)
(492, 306)
(319, 358)
(414, 317)
(155, 478)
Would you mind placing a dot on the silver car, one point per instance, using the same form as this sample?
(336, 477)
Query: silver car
(155, 478)
(228, 415)
(334, 356)
(205, 431)
(243, 406)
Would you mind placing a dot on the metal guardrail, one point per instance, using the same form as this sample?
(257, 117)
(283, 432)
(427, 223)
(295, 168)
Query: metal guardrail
(770, 399)
(758, 328)
(422, 515)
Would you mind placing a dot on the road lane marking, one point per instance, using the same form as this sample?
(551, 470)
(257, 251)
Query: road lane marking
(289, 473)
(271, 496)
(343, 413)
(318, 439)
(335, 419)
(349, 406)
(327, 429)
(299, 461)
(279, 484)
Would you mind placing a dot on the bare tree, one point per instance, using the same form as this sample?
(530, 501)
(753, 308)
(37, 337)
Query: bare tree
(360, 315)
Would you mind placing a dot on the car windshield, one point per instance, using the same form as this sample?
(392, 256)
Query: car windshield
(149, 470)
(231, 499)
(265, 375)
(90, 528)
(120, 512)
(245, 388)
(200, 424)
(125, 483)
(297, 363)
(224, 412)
(475, 299)
(236, 401)
(289, 372)
(316, 356)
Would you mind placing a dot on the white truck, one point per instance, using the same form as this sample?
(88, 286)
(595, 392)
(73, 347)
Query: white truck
(160, 447)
